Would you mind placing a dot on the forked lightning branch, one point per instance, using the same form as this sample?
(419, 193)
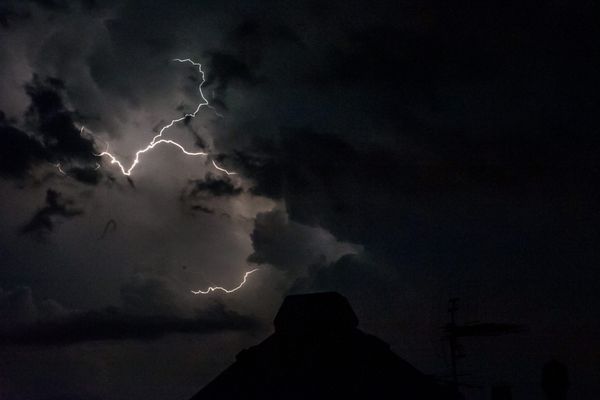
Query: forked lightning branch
(159, 139)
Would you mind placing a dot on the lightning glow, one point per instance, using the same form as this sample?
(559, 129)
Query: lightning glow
(156, 140)
(222, 289)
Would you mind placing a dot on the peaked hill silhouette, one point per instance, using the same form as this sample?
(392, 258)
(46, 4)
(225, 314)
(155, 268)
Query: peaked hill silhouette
(317, 352)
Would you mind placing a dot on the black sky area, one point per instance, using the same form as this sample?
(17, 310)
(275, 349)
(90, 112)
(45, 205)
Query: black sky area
(400, 153)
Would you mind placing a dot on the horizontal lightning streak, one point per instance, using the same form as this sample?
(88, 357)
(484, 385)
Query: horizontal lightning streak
(156, 140)
(215, 288)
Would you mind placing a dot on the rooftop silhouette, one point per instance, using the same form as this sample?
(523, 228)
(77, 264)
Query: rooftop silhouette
(317, 352)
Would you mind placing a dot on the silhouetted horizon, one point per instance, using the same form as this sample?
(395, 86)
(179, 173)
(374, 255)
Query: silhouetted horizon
(317, 352)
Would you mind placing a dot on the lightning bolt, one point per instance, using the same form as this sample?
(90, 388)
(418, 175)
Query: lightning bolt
(156, 140)
(223, 169)
(222, 289)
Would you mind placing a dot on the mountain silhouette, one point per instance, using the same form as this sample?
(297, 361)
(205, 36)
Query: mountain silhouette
(317, 352)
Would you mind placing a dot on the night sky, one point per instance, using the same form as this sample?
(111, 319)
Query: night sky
(400, 154)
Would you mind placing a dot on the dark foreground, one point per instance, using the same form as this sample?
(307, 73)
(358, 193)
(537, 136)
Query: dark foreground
(317, 352)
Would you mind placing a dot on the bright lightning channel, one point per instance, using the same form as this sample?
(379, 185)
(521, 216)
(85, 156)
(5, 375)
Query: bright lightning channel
(156, 140)
(222, 289)
(223, 169)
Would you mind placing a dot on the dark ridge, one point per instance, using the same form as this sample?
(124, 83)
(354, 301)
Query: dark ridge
(317, 352)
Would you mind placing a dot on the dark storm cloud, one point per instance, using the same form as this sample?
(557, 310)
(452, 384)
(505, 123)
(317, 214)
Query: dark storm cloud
(87, 175)
(199, 190)
(290, 246)
(25, 321)
(213, 186)
(276, 242)
(227, 69)
(53, 123)
(401, 207)
(326, 181)
(8, 16)
(252, 32)
(149, 295)
(51, 136)
(113, 324)
(252, 38)
(18, 307)
(44, 220)
(263, 164)
(18, 151)
(238, 63)
(206, 210)
(52, 5)
(460, 128)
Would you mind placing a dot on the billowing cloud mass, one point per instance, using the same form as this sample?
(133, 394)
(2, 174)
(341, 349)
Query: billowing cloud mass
(287, 245)
(401, 154)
